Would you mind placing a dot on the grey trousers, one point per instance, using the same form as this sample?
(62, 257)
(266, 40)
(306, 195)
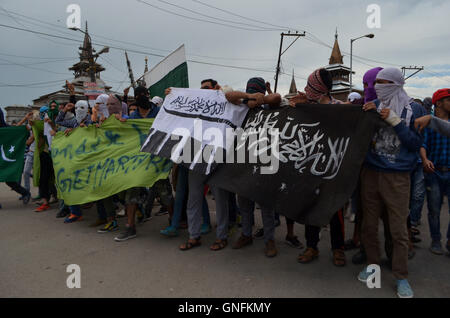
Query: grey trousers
(27, 169)
(195, 206)
(247, 207)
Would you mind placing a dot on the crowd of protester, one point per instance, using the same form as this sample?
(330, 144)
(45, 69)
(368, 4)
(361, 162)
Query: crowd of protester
(408, 160)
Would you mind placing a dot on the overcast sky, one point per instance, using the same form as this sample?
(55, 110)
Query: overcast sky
(412, 32)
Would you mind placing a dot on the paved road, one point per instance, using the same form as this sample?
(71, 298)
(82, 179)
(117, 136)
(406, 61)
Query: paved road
(36, 248)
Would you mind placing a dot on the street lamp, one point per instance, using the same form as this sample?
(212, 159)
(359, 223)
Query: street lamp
(92, 56)
(370, 36)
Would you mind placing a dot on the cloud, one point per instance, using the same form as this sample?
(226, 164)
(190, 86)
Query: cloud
(411, 33)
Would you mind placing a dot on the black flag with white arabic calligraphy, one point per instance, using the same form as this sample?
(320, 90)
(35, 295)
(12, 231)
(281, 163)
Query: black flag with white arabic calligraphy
(316, 167)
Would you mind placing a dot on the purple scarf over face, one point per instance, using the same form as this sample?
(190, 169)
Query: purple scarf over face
(369, 78)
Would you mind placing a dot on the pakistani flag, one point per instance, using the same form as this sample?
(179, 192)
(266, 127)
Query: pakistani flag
(12, 149)
(170, 72)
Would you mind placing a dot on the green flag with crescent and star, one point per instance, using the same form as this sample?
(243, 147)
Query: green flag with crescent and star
(12, 149)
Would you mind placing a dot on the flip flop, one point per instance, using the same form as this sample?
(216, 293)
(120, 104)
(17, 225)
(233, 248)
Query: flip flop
(219, 245)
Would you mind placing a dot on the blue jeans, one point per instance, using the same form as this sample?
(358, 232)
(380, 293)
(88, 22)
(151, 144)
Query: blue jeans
(438, 186)
(180, 197)
(417, 197)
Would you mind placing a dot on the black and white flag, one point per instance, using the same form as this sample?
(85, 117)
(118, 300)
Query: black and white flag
(195, 127)
(312, 159)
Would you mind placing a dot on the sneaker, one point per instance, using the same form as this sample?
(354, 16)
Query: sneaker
(205, 229)
(121, 213)
(436, 248)
(109, 227)
(98, 222)
(403, 289)
(162, 211)
(270, 250)
(53, 200)
(129, 233)
(26, 198)
(63, 213)
(43, 207)
(259, 234)
(293, 241)
(363, 276)
(169, 231)
(147, 218)
(73, 218)
(242, 241)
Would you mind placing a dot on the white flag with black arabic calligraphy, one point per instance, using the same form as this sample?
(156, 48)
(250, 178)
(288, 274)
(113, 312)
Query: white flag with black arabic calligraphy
(195, 127)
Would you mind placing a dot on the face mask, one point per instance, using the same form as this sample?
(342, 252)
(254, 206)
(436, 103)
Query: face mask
(385, 91)
(81, 111)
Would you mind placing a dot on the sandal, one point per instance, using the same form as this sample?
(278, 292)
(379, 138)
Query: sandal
(309, 255)
(190, 244)
(218, 245)
(339, 257)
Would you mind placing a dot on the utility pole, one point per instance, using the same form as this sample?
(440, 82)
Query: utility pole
(416, 68)
(297, 36)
